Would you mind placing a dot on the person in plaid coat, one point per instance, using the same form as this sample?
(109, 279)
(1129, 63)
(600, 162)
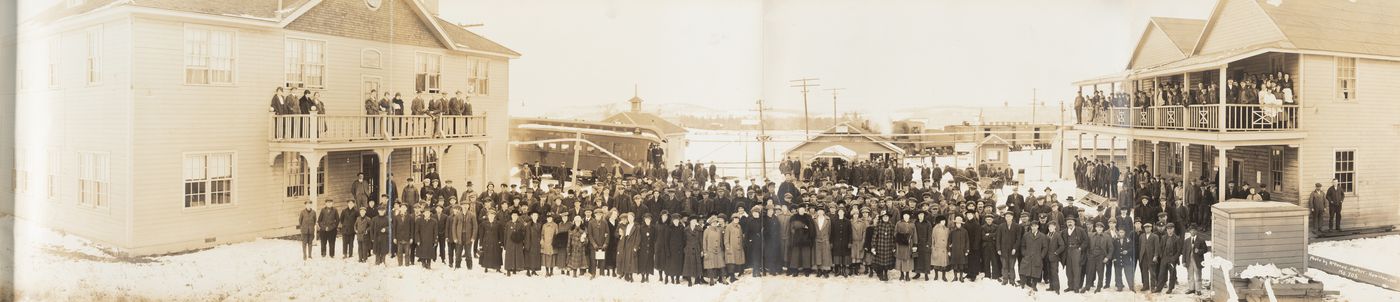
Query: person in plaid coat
(882, 247)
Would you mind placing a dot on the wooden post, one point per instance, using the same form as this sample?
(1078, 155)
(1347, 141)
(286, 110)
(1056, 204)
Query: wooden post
(573, 175)
(1155, 161)
(1224, 91)
(1221, 164)
(313, 163)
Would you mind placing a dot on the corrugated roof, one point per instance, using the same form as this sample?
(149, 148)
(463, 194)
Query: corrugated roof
(471, 40)
(1182, 32)
(1353, 26)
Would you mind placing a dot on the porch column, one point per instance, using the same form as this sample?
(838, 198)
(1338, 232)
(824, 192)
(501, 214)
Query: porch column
(1224, 91)
(313, 163)
(1155, 162)
(1096, 146)
(383, 155)
(1222, 164)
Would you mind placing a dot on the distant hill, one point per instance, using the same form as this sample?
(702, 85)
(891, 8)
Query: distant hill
(704, 117)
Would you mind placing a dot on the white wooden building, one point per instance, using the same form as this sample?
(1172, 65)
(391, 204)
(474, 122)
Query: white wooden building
(1343, 123)
(145, 125)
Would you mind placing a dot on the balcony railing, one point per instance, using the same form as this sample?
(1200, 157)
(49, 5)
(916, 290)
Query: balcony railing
(351, 128)
(1237, 117)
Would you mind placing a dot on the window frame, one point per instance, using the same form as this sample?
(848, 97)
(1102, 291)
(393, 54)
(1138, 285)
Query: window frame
(1278, 158)
(1344, 92)
(54, 172)
(208, 55)
(302, 65)
(421, 159)
(300, 178)
(478, 78)
(1347, 187)
(432, 81)
(92, 62)
(208, 181)
(101, 179)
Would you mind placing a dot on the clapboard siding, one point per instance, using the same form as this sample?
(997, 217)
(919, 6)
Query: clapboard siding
(1249, 235)
(1156, 48)
(1256, 168)
(1239, 23)
(80, 117)
(173, 119)
(1367, 125)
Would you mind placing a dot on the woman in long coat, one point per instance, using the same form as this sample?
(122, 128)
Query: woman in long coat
(427, 235)
(958, 248)
(694, 266)
(714, 249)
(904, 241)
(560, 241)
(938, 256)
(661, 250)
(533, 235)
(859, 226)
(610, 256)
(646, 248)
(734, 247)
(800, 232)
(515, 244)
(882, 246)
(490, 242)
(841, 242)
(676, 249)
(628, 242)
(924, 228)
(578, 247)
(821, 231)
(773, 244)
(546, 243)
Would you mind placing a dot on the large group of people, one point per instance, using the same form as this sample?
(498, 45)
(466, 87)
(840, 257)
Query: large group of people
(681, 230)
(285, 101)
(1270, 91)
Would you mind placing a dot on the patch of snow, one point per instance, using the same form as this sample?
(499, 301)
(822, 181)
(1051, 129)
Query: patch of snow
(1381, 254)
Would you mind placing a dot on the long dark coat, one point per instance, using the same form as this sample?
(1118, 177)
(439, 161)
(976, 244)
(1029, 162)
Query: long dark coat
(957, 246)
(882, 242)
(841, 238)
(924, 229)
(532, 245)
(694, 265)
(379, 231)
(646, 248)
(974, 245)
(516, 235)
(661, 250)
(427, 235)
(674, 263)
(753, 241)
(773, 246)
(1034, 246)
(802, 239)
(490, 240)
(629, 241)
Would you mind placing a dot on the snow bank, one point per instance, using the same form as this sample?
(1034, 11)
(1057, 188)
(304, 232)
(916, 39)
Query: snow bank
(1381, 254)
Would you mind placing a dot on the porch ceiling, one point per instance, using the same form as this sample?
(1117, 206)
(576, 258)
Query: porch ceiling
(1219, 139)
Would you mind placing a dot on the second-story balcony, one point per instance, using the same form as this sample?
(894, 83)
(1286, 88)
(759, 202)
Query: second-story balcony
(323, 129)
(1208, 118)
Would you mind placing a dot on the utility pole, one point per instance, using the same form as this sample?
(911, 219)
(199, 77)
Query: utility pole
(1034, 104)
(1061, 136)
(835, 116)
(806, 119)
(762, 142)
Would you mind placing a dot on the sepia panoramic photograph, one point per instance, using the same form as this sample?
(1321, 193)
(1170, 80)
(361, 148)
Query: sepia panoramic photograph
(700, 150)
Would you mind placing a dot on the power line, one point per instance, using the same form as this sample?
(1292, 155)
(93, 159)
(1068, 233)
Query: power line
(806, 118)
(835, 117)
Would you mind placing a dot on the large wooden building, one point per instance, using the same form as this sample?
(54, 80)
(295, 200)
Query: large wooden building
(146, 124)
(1339, 121)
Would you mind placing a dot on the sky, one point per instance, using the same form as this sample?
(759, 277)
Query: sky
(886, 54)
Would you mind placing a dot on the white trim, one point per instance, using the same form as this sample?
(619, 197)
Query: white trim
(296, 14)
(92, 61)
(325, 58)
(1337, 78)
(1355, 171)
(441, 56)
(105, 179)
(233, 54)
(365, 78)
(233, 181)
(379, 60)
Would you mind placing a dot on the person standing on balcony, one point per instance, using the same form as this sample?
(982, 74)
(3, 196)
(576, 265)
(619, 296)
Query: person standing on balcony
(372, 104)
(305, 103)
(1335, 196)
(418, 105)
(280, 105)
(1078, 106)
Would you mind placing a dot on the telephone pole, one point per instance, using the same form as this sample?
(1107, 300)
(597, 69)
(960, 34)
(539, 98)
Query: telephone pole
(835, 116)
(806, 119)
(762, 142)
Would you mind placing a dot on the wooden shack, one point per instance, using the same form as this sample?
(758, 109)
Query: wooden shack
(1249, 232)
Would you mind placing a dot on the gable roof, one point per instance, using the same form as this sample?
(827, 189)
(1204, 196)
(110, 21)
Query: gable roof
(1183, 32)
(1361, 26)
(849, 129)
(993, 139)
(454, 36)
(647, 119)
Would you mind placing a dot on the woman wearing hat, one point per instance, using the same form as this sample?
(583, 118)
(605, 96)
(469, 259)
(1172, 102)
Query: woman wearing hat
(841, 242)
(734, 247)
(882, 246)
(800, 255)
(578, 246)
(923, 228)
(904, 239)
(674, 262)
(629, 241)
(646, 250)
(694, 265)
(547, 245)
(860, 225)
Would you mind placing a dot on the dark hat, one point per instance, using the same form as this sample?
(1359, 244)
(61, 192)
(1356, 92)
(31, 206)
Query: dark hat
(1171, 225)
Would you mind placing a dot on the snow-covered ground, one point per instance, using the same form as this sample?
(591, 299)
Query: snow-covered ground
(1381, 254)
(57, 267)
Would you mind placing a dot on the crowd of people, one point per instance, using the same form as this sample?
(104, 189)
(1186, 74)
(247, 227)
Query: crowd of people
(1270, 91)
(434, 104)
(691, 231)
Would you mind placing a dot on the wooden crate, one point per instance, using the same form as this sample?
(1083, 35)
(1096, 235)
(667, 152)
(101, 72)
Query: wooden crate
(1260, 232)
